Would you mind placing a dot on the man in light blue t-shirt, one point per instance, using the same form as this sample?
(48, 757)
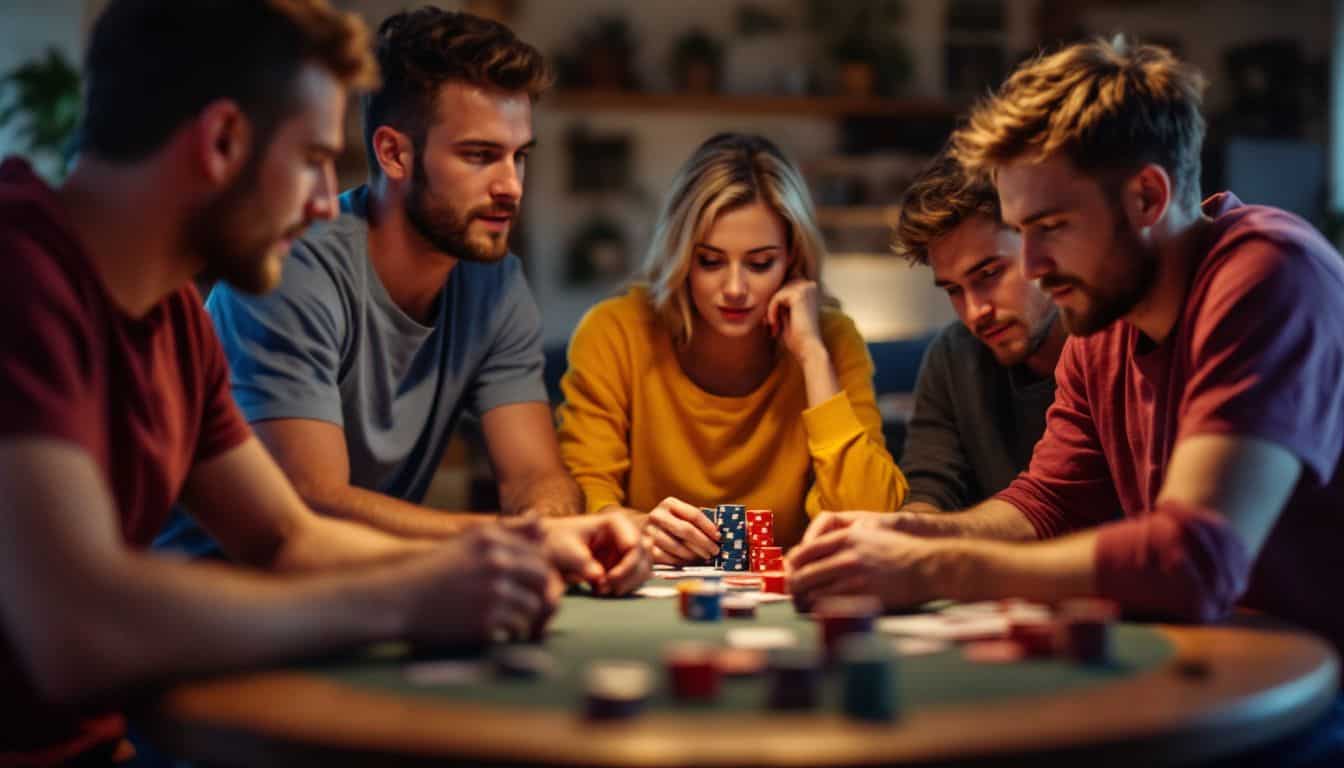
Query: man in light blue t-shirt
(408, 310)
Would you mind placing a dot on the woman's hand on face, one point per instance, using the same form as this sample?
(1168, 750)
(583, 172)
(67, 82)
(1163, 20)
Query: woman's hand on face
(794, 319)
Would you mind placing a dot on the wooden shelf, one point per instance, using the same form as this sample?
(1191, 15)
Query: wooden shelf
(824, 106)
(867, 216)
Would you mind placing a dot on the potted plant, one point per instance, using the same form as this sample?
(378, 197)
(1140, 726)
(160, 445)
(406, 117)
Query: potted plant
(42, 97)
(863, 42)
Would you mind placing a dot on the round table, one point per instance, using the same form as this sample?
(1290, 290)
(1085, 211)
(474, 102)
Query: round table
(1174, 695)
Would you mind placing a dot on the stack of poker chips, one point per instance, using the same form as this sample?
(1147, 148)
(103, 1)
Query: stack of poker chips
(795, 679)
(733, 551)
(692, 670)
(764, 559)
(842, 617)
(1085, 629)
(712, 515)
(868, 669)
(765, 556)
(705, 603)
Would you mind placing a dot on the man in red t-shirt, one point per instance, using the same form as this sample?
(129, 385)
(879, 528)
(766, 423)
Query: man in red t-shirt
(1192, 457)
(198, 153)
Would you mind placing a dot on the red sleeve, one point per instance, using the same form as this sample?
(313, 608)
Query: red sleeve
(222, 424)
(1261, 366)
(1175, 561)
(1068, 485)
(47, 364)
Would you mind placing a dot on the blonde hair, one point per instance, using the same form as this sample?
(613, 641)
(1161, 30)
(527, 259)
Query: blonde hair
(727, 172)
(1108, 105)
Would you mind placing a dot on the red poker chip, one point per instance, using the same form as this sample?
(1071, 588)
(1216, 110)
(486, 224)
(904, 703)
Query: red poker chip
(1037, 636)
(693, 670)
(774, 582)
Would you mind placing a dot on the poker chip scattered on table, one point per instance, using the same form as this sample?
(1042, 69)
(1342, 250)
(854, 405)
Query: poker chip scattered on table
(684, 591)
(1085, 629)
(742, 580)
(739, 607)
(693, 670)
(522, 662)
(616, 690)
(795, 679)
(866, 668)
(1038, 635)
(706, 604)
(840, 617)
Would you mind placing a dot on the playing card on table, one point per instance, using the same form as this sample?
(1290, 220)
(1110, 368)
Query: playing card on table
(762, 638)
(944, 627)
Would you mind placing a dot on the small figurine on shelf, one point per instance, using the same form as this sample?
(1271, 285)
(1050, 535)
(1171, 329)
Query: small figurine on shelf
(602, 58)
(598, 254)
(863, 41)
(697, 61)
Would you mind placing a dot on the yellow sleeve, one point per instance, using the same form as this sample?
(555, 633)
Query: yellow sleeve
(595, 416)
(852, 467)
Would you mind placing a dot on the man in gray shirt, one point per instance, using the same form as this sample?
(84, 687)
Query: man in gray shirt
(408, 309)
(987, 380)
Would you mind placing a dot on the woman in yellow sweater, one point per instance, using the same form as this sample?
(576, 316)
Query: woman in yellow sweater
(727, 375)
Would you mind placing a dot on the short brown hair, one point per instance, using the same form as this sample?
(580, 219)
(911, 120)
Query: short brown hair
(147, 75)
(941, 197)
(1108, 105)
(420, 50)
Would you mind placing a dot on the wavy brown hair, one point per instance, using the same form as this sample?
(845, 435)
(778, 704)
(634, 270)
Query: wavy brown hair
(1109, 105)
(940, 198)
(418, 51)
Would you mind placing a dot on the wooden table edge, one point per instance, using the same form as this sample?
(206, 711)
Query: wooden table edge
(1260, 684)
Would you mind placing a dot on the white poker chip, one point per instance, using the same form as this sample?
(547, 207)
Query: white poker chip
(618, 680)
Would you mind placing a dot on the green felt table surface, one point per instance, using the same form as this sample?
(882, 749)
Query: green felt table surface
(590, 628)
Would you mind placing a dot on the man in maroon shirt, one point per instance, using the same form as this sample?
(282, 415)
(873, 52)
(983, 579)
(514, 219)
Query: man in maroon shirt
(1200, 400)
(1192, 457)
(199, 151)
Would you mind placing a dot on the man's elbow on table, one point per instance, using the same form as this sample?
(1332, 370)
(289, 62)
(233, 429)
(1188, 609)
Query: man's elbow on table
(1179, 562)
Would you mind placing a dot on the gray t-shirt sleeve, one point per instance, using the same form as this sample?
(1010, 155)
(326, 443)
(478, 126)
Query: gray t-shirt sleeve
(285, 347)
(512, 369)
(934, 459)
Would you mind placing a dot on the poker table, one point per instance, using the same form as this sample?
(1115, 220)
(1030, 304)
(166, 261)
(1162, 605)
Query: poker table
(1169, 696)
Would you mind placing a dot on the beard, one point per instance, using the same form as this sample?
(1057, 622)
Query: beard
(1129, 271)
(236, 240)
(443, 227)
(1036, 337)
